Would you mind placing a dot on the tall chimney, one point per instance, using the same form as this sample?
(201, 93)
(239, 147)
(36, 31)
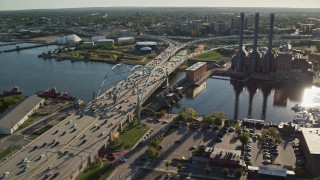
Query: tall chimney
(269, 53)
(255, 44)
(240, 60)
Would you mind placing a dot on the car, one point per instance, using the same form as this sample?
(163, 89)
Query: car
(66, 152)
(26, 168)
(84, 141)
(64, 132)
(56, 131)
(35, 147)
(41, 156)
(102, 133)
(168, 175)
(232, 129)
(238, 147)
(44, 144)
(47, 175)
(55, 175)
(74, 130)
(160, 147)
(81, 116)
(74, 125)
(182, 169)
(49, 167)
(266, 161)
(5, 174)
(83, 136)
(274, 153)
(218, 140)
(247, 154)
(123, 159)
(231, 175)
(177, 141)
(57, 143)
(192, 148)
(24, 160)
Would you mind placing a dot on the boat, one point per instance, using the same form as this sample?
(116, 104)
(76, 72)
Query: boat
(297, 108)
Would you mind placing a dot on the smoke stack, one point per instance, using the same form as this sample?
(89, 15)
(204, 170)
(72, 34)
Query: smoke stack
(255, 44)
(239, 62)
(269, 53)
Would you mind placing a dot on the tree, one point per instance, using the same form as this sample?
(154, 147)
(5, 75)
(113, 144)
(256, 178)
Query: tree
(238, 130)
(152, 152)
(244, 138)
(238, 172)
(218, 121)
(190, 112)
(154, 144)
(182, 117)
(225, 171)
(167, 164)
(179, 166)
(226, 123)
(207, 169)
(219, 114)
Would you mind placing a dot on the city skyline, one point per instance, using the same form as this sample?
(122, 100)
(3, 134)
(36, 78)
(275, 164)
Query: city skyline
(36, 4)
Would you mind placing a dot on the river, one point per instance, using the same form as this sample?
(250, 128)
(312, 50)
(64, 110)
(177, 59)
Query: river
(80, 79)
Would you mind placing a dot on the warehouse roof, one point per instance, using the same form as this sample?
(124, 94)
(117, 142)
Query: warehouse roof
(14, 115)
(312, 138)
(195, 66)
(146, 43)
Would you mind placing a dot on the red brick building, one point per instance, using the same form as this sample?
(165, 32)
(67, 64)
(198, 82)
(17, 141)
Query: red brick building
(196, 71)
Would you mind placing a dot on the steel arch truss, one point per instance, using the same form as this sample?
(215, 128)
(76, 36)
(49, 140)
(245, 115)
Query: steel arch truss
(110, 79)
(132, 74)
(145, 94)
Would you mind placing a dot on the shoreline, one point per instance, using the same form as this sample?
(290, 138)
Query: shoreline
(108, 61)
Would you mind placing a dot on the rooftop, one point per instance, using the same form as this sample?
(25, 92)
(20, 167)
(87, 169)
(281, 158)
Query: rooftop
(312, 137)
(14, 115)
(146, 43)
(196, 66)
(225, 154)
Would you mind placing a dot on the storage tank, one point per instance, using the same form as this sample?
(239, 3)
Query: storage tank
(126, 40)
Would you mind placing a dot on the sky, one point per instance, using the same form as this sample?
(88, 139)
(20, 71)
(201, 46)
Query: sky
(55, 4)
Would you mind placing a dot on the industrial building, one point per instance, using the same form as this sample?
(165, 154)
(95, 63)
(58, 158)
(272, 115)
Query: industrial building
(96, 38)
(139, 45)
(145, 50)
(14, 117)
(196, 71)
(310, 143)
(126, 40)
(88, 44)
(70, 39)
(104, 42)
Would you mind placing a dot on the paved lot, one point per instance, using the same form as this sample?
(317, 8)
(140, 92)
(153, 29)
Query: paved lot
(180, 150)
(157, 175)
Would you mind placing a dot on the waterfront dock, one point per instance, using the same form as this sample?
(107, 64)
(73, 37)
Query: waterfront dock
(28, 47)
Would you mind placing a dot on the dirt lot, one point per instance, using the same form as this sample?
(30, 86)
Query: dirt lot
(45, 38)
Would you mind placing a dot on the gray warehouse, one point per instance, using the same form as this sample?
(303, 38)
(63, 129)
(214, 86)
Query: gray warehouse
(14, 117)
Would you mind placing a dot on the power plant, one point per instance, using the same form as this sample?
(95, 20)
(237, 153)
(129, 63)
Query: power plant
(256, 61)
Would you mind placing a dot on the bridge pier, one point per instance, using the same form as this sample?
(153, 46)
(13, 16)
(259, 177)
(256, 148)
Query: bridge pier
(111, 136)
(121, 127)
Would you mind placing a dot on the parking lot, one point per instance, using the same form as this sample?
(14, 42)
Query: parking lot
(178, 143)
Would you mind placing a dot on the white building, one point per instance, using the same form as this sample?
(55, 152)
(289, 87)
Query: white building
(126, 40)
(96, 38)
(14, 117)
(66, 39)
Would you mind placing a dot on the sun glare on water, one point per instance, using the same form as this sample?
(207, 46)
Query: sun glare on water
(311, 97)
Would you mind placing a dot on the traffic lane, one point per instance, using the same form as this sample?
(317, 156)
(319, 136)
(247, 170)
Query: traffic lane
(28, 152)
(93, 135)
(49, 150)
(66, 165)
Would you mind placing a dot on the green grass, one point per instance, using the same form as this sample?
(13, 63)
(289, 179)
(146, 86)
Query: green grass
(29, 121)
(132, 133)
(207, 56)
(96, 172)
(8, 101)
(40, 131)
(4, 153)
